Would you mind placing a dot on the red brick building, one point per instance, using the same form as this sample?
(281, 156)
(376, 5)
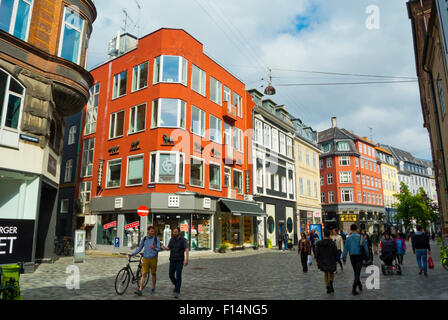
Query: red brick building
(351, 181)
(165, 128)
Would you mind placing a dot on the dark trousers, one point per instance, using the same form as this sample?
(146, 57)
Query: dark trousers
(176, 268)
(304, 258)
(339, 258)
(400, 258)
(356, 261)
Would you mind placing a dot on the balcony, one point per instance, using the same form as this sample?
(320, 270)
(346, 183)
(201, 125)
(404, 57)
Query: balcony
(229, 112)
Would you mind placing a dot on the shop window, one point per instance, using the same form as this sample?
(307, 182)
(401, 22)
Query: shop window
(248, 230)
(131, 230)
(170, 69)
(140, 77)
(271, 225)
(71, 35)
(198, 79)
(162, 222)
(119, 88)
(107, 229)
(200, 232)
(135, 171)
(113, 173)
(168, 113)
(92, 110)
(137, 119)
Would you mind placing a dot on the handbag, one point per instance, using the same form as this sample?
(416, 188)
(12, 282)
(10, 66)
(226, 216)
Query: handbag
(430, 263)
(310, 260)
(362, 251)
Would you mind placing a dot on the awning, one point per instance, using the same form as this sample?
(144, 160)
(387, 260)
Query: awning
(241, 207)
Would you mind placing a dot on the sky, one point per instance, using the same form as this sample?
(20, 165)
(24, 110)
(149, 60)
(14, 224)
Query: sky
(292, 38)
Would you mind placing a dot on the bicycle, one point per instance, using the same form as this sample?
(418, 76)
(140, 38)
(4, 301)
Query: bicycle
(63, 247)
(444, 256)
(126, 274)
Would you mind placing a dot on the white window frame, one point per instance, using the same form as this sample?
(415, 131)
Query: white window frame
(321, 163)
(85, 187)
(202, 80)
(92, 109)
(108, 172)
(114, 115)
(141, 155)
(267, 136)
(268, 179)
(85, 164)
(345, 177)
(343, 143)
(322, 180)
(201, 121)
(68, 172)
(117, 83)
(218, 89)
(344, 161)
(65, 203)
(136, 76)
(276, 182)
(203, 172)
(72, 135)
(177, 178)
(81, 38)
(289, 147)
(220, 176)
(227, 95)
(329, 162)
(136, 118)
(330, 178)
(259, 134)
(282, 143)
(181, 108)
(322, 197)
(284, 185)
(350, 190)
(239, 104)
(330, 197)
(182, 73)
(274, 134)
(242, 181)
(218, 128)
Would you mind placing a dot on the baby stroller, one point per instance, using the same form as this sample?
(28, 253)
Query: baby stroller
(389, 263)
(290, 246)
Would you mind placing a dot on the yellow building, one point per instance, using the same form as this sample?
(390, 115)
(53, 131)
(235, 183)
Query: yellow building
(390, 181)
(309, 208)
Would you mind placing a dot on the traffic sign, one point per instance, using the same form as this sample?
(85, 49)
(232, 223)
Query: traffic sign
(143, 211)
(117, 242)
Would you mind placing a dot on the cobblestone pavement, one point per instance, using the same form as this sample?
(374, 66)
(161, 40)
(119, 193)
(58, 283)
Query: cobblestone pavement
(245, 275)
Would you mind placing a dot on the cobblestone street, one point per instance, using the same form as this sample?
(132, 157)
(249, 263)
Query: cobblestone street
(248, 274)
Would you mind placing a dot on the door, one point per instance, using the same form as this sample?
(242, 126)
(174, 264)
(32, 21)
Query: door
(290, 223)
(270, 224)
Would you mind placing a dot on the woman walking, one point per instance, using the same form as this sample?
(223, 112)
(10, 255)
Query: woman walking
(326, 257)
(401, 247)
(304, 251)
(339, 245)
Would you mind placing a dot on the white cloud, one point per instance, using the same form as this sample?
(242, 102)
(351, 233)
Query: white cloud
(248, 36)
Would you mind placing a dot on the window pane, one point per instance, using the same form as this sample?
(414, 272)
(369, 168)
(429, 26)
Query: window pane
(6, 14)
(181, 168)
(119, 124)
(70, 44)
(135, 170)
(23, 12)
(143, 81)
(215, 176)
(3, 79)
(141, 117)
(156, 70)
(167, 168)
(183, 115)
(153, 168)
(114, 174)
(170, 69)
(13, 112)
(123, 80)
(168, 113)
(197, 121)
(195, 80)
(196, 172)
(155, 112)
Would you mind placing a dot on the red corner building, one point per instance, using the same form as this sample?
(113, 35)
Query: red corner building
(166, 128)
(351, 181)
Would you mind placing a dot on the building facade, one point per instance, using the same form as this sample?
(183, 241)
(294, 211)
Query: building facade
(274, 168)
(166, 129)
(352, 181)
(308, 182)
(429, 21)
(43, 47)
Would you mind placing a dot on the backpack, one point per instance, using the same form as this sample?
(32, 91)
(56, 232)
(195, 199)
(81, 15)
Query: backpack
(155, 241)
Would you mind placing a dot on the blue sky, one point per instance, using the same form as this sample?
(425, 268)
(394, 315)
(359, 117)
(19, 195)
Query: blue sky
(248, 37)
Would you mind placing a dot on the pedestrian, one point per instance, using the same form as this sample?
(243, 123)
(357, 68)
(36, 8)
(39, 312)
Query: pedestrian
(369, 246)
(326, 257)
(339, 245)
(400, 244)
(149, 262)
(421, 248)
(285, 241)
(179, 252)
(375, 238)
(388, 249)
(344, 236)
(314, 237)
(280, 240)
(304, 251)
(353, 246)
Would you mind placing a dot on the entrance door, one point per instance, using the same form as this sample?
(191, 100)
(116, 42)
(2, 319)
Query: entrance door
(290, 223)
(270, 227)
(46, 225)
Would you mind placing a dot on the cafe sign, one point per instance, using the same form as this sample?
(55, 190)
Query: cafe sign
(348, 218)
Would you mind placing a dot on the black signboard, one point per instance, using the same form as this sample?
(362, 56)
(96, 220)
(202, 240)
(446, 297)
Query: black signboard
(16, 240)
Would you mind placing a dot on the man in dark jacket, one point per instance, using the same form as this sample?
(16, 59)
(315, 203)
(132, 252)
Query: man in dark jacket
(327, 257)
(179, 249)
(421, 248)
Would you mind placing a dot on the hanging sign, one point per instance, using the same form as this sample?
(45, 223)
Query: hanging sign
(110, 225)
(132, 225)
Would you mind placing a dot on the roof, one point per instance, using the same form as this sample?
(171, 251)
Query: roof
(384, 151)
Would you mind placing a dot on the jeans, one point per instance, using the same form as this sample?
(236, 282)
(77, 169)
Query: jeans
(356, 261)
(339, 258)
(286, 246)
(304, 258)
(176, 268)
(422, 255)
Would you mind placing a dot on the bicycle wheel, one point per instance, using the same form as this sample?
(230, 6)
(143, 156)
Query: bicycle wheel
(139, 276)
(122, 281)
(444, 263)
(67, 250)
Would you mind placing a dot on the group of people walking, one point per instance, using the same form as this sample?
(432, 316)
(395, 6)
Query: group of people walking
(336, 246)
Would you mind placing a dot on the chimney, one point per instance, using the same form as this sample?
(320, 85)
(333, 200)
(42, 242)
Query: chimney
(333, 122)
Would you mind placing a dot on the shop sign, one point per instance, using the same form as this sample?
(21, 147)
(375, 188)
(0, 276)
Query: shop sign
(207, 203)
(173, 201)
(134, 145)
(309, 214)
(113, 150)
(348, 218)
(16, 240)
(110, 225)
(167, 140)
(132, 225)
(316, 214)
(143, 211)
(118, 203)
(29, 138)
(184, 227)
(100, 173)
(80, 244)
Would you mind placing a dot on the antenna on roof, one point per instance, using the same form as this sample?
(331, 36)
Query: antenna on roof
(371, 133)
(129, 22)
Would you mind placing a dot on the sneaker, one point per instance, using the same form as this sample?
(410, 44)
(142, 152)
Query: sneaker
(138, 292)
(153, 290)
(355, 293)
(176, 295)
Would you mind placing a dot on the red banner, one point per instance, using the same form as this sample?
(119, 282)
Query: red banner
(110, 225)
(132, 225)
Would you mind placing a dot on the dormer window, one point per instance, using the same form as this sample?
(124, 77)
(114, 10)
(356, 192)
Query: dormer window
(343, 146)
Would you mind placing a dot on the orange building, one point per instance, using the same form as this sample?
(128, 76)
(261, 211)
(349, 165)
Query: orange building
(351, 181)
(166, 127)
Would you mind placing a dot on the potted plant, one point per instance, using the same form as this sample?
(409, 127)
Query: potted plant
(222, 248)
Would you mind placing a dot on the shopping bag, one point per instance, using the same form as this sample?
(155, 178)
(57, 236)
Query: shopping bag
(310, 260)
(430, 263)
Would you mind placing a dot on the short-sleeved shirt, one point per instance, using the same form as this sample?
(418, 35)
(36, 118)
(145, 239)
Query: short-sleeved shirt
(177, 248)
